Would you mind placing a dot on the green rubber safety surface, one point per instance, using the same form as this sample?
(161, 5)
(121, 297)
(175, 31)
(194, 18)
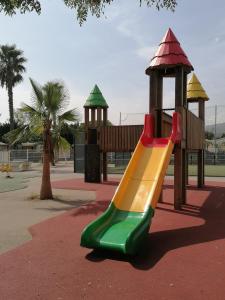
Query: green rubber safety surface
(117, 230)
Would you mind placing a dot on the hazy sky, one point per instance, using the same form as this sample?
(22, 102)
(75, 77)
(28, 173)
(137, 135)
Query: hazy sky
(115, 51)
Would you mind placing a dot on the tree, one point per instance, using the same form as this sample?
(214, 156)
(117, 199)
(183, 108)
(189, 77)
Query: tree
(48, 104)
(11, 69)
(4, 128)
(58, 141)
(82, 7)
(209, 135)
(68, 131)
(223, 135)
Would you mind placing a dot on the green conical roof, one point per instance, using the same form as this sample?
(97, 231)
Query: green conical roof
(96, 99)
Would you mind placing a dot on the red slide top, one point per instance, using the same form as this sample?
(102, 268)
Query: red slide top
(147, 137)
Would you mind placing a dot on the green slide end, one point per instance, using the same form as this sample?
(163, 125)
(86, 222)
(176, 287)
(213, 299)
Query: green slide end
(118, 230)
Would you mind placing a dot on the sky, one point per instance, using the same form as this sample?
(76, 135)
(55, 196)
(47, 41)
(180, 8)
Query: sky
(114, 51)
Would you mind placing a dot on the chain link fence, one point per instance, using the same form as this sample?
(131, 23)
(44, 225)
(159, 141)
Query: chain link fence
(214, 144)
(214, 124)
(215, 147)
(214, 154)
(30, 155)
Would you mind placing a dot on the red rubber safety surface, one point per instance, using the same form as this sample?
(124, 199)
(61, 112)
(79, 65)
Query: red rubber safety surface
(183, 257)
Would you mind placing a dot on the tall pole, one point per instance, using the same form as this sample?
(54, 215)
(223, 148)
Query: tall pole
(201, 173)
(104, 154)
(215, 134)
(179, 153)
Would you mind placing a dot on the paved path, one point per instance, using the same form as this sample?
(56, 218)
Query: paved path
(17, 213)
(183, 257)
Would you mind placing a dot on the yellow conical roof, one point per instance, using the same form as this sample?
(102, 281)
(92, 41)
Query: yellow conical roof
(195, 90)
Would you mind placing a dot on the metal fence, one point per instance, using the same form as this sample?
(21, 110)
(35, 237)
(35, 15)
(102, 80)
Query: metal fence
(215, 148)
(122, 159)
(29, 155)
(214, 123)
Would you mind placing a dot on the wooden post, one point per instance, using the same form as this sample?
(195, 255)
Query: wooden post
(179, 160)
(184, 176)
(153, 92)
(200, 168)
(99, 116)
(201, 106)
(158, 114)
(186, 105)
(74, 155)
(86, 123)
(187, 168)
(104, 154)
(105, 116)
(159, 104)
(203, 166)
(86, 116)
(93, 117)
(184, 146)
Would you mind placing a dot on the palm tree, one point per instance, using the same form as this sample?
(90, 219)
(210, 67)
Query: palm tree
(58, 142)
(11, 69)
(48, 105)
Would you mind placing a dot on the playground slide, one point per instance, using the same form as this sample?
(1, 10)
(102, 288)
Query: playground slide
(126, 222)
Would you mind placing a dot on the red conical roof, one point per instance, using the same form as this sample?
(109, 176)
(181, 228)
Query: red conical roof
(169, 53)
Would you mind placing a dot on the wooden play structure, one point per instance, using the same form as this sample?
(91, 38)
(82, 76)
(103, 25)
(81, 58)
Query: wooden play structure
(196, 94)
(169, 61)
(95, 118)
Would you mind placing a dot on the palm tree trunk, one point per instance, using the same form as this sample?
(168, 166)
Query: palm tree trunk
(56, 154)
(53, 158)
(11, 110)
(46, 189)
(52, 153)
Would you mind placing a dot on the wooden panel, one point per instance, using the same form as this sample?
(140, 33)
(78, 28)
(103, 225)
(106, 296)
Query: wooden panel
(166, 125)
(195, 132)
(125, 138)
(92, 164)
(119, 138)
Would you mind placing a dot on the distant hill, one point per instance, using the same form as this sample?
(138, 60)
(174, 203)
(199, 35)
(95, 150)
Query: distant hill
(220, 129)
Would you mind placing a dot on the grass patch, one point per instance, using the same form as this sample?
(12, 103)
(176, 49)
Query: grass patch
(17, 181)
(12, 184)
(210, 170)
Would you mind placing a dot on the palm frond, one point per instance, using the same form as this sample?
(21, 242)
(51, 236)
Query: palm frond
(55, 96)
(32, 111)
(62, 144)
(48, 105)
(11, 65)
(17, 135)
(38, 96)
(69, 116)
(17, 79)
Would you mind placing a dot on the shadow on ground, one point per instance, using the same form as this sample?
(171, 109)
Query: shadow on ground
(160, 243)
(92, 208)
(68, 205)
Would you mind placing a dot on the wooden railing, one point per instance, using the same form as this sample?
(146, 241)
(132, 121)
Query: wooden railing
(119, 138)
(195, 132)
(166, 125)
(125, 138)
